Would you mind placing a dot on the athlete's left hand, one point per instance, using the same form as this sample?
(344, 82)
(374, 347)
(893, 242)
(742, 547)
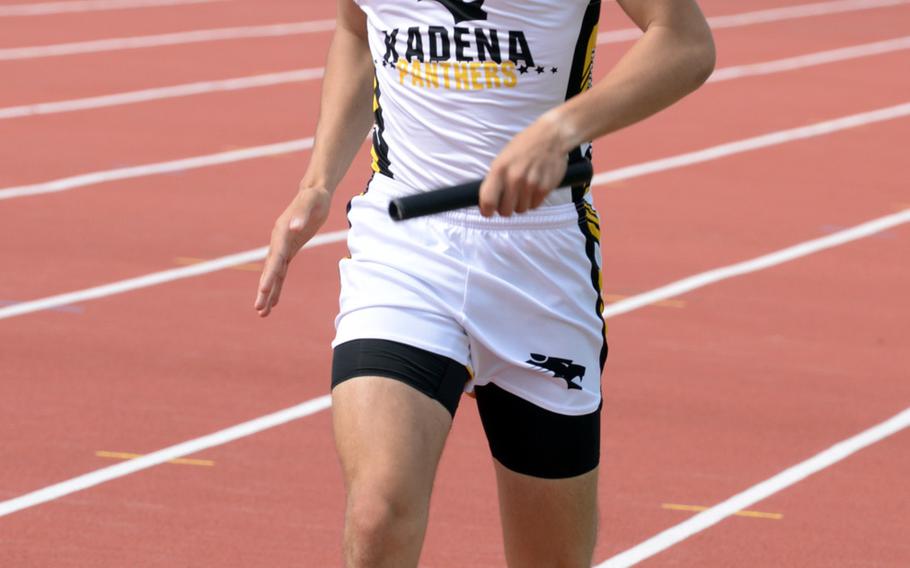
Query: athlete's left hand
(527, 169)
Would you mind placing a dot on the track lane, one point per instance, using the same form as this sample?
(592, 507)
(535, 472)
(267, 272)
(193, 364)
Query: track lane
(741, 43)
(200, 223)
(170, 130)
(860, 502)
(134, 375)
(755, 105)
(72, 27)
(285, 508)
(797, 359)
(726, 207)
(94, 74)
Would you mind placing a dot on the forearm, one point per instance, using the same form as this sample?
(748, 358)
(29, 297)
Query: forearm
(667, 63)
(345, 116)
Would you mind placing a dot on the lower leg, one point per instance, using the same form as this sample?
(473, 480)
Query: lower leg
(548, 523)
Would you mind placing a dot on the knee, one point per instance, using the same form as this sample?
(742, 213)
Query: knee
(376, 519)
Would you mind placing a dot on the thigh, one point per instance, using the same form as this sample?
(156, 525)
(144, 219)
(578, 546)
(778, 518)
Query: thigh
(389, 438)
(393, 406)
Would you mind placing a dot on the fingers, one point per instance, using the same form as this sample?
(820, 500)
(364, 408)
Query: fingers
(275, 292)
(546, 180)
(514, 189)
(270, 284)
(516, 184)
(532, 187)
(491, 190)
(504, 191)
(287, 238)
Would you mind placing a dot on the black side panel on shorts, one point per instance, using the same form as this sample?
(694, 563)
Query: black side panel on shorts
(436, 376)
(589, 223)
(531, 440)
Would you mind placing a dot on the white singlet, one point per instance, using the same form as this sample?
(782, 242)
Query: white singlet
(457, 80)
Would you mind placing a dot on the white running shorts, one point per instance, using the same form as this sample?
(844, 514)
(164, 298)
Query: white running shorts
(516, 300)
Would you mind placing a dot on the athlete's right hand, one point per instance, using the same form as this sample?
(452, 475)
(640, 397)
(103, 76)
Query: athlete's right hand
(297, 225)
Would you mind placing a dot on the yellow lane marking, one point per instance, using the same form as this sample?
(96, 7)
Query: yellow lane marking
(610, 298)
(129, 456)
(233, 147)
(249, 267)
(753, 514)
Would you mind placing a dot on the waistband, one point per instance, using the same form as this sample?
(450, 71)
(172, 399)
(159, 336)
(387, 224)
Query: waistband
(385, 189)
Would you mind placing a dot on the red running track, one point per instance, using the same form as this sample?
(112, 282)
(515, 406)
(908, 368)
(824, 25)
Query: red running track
(704, 398)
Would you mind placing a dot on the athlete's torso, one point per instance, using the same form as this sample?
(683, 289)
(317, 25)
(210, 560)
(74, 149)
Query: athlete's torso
(456, 80)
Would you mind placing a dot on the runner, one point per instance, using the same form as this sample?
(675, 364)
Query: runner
(481, 300)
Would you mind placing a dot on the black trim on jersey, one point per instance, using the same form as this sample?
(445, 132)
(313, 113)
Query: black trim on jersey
(580, 77)
(580, 74)
(587, 219)
(347, 208)
(380, 147)
(534, 441)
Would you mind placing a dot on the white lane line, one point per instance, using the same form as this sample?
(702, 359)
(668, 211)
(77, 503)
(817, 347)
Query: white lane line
(280, 78)
(758, 492)
(806, 248)
(766, 16)
(156, 278)
(807, 60)
(709, 517)
(159, 93)
(628, 172)
(798, 11)
(92, 178)
(754, 143)
(48, 8)
(296, 28)
(160, 40)
(165, 455)
(714, 152)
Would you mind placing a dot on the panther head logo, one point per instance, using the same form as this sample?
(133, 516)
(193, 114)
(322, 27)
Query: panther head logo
(463, 10)
(563, 369)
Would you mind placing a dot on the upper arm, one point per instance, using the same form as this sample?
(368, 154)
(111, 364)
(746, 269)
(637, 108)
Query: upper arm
(351, 18)
(681, 15)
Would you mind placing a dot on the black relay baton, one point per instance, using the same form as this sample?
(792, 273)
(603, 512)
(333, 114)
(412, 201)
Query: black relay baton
(468, 194)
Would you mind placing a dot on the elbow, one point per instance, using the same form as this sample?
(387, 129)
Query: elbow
(703, 59)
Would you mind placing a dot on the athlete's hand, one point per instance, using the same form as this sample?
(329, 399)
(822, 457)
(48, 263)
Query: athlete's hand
(299, 222)
(527, 169)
